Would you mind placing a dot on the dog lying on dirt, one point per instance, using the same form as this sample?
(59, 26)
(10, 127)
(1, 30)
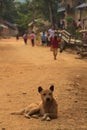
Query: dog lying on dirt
(47, 109)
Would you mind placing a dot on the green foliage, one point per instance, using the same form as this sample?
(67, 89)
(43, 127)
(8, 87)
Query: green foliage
(70, 28)
(8, 10)
(69, 20)
(23, 22)
(23, 13)
(78, 35)
(44, 9)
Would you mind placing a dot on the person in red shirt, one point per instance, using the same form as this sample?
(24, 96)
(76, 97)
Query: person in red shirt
(55, 42)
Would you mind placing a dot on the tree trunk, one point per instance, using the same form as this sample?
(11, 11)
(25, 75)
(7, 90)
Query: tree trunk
(51, 13)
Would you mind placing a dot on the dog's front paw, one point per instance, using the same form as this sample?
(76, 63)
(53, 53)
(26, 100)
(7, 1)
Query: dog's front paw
(48, 119)
(43, 118)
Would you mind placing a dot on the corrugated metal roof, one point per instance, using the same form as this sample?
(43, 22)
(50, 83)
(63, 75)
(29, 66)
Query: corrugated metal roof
(3, 26)
(62, 9)
(82, 6)
(13, 26)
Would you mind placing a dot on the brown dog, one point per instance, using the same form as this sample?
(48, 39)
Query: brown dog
(47, 108)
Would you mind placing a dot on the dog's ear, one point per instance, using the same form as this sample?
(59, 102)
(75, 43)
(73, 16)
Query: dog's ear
(52, 87)
(40, 89)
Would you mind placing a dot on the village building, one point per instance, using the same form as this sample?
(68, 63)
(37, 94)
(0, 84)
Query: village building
(75, 9)
(81, 13)
(7, 29)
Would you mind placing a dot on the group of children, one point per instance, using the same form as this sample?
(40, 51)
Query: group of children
(51, 38)
(31, 36)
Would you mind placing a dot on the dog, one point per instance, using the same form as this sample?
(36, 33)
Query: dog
(47, 108)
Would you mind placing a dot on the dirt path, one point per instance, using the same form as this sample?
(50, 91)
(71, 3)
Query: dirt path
(23, 69)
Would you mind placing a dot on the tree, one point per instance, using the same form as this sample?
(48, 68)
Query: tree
(47, 9)
(24, 16)
(8, 10)
(23, 13)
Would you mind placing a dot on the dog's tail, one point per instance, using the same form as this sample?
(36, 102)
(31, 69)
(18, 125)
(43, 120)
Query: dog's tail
(21, 112)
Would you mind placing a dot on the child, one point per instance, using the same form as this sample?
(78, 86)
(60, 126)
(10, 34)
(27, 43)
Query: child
(48, 39)
(43, 38)
(32, 38)
(25, 37)
(55, 44)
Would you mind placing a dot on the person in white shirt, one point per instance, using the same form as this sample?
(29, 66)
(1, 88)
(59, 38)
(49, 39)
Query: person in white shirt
(51, 31)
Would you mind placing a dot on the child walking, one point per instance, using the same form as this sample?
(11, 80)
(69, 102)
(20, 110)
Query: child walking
(32, 38)
(43, 39)
(55, 44)
(25, 37)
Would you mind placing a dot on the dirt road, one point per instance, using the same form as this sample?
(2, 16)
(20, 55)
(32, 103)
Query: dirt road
(24, 68)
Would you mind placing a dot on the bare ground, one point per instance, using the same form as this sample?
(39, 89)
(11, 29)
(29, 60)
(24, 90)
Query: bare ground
(24, 68)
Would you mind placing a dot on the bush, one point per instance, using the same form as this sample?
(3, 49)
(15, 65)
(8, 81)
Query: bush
(78, 35)
(71, 29)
